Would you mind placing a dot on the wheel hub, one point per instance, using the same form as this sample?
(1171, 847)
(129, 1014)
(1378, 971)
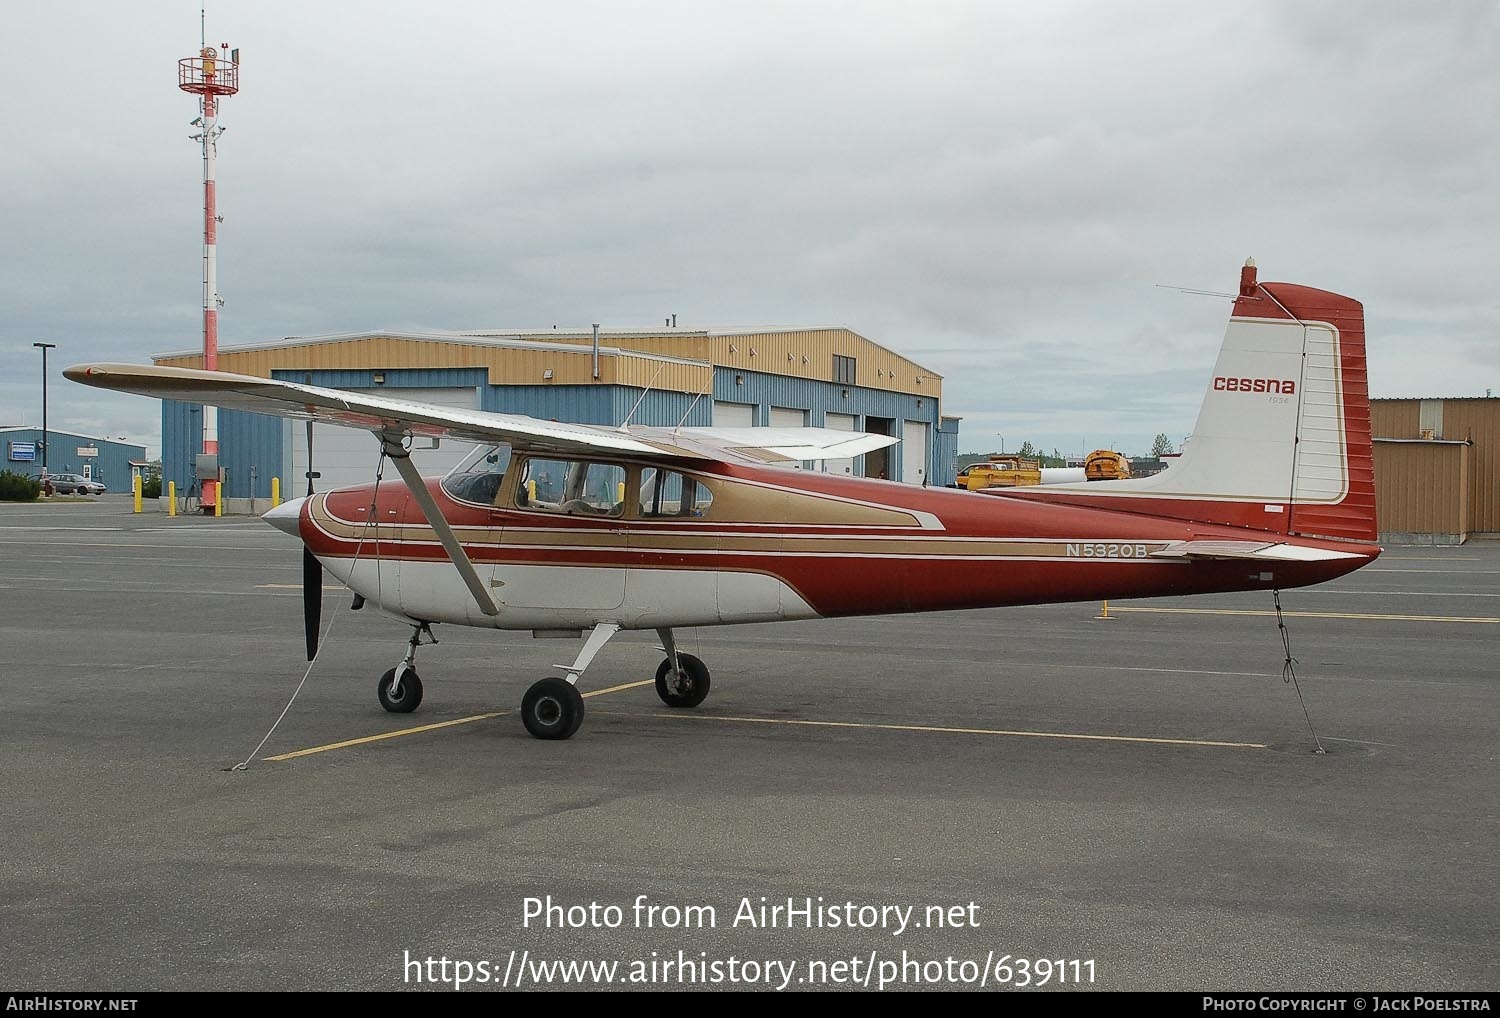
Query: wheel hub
(548, 711)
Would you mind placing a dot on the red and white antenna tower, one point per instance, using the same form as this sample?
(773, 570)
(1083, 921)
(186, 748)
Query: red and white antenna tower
(210, 75)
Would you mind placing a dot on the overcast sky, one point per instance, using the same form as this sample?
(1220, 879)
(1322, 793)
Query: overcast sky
(994, 189)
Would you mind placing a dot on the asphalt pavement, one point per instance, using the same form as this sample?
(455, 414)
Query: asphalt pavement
(1135, 802)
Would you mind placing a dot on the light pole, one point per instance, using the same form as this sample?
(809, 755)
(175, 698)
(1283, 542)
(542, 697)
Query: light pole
(44, 347)
(1002, 440)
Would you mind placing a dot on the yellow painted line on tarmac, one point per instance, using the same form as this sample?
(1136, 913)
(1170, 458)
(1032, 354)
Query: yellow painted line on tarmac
(1073, 736)
(1362, 616)
(366, 740)
(347, 743)
(620, 688)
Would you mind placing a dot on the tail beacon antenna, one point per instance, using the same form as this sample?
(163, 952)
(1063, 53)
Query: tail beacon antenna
(211, 75)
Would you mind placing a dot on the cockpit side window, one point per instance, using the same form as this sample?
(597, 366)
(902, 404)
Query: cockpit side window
(572, 487)
(667, 493)
(477, 478)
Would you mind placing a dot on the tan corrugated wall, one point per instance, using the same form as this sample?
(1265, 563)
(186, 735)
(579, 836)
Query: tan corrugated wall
(1474, 420)
(506, 366)
(1421, 488)
(1479, 421)
(803, 354)
(1393, 418)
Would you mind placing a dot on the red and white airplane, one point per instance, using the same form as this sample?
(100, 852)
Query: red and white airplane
(565, 529)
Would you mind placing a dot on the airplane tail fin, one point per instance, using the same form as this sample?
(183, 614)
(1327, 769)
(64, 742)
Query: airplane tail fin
(1282, 443)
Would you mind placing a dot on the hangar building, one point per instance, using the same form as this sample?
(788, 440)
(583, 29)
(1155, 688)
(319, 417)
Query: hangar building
(797, 377)
(112, 462)
(1437, 469)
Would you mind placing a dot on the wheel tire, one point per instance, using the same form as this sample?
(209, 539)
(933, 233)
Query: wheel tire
(552, 709)
(690, 688)
(408, 692)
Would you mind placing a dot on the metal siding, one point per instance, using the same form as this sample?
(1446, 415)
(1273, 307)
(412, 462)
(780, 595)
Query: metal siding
(811, 358)
(360, 357)
(405, 378)
(657, 375)
(811, 355)
(1478, 421)
(661, 409)
(250, 442)
(1394, 418)
(1420, 488)
(181, 438)
(820, 398)
(944, 467)
(1475, 420)
(578, 404)
(111, 467)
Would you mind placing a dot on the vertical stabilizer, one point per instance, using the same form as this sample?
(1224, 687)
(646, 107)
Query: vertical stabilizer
(1282, 442)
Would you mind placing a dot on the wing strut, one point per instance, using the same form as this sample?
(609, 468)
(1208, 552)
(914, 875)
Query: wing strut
(393, 448)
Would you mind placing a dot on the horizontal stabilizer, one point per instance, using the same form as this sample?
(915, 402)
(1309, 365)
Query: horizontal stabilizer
(1257, 551)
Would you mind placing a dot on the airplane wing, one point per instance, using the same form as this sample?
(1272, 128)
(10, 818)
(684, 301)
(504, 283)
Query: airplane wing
(785, 443)
(1256, 551)
(386, 414)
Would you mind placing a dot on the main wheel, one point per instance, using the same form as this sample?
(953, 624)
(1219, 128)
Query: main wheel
(407, 695)
(552, 709)
(685, 688)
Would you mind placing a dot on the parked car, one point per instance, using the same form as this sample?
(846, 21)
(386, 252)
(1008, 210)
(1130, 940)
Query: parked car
(75, 484)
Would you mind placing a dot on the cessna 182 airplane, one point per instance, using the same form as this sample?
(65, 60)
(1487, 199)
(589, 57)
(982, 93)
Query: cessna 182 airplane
(564, 529)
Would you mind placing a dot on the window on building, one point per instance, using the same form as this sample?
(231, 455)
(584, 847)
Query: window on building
(843, 370)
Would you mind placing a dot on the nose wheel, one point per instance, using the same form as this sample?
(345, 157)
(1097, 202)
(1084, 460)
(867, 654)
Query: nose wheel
(399, 689)
(399, 695)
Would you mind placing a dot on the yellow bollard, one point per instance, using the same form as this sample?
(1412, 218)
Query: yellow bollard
(219, 495)
(1104, 613)
(275, 492)
(171, 498)
(135, 486)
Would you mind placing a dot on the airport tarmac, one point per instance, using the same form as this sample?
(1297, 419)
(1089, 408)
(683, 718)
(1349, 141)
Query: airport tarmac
(1139, 793)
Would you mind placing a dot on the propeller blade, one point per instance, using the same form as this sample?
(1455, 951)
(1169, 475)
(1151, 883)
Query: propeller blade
(311, 473)
(312, 572)
(312, 599)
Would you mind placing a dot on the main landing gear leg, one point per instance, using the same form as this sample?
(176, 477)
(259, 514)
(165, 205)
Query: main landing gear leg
(553, 708)
(399, 689)
(681, 680)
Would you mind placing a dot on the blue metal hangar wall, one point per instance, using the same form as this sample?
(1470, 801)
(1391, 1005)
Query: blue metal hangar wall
(813, 377)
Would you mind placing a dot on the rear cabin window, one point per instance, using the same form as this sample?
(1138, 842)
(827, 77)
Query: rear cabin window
(666, 493)
(573, 487)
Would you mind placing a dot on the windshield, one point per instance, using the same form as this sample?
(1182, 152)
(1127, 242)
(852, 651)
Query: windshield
(477, 478)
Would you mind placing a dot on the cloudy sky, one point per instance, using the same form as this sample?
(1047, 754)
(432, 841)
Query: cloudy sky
(995, 189)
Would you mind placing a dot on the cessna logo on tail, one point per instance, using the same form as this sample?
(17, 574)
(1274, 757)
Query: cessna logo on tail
(1282, 386)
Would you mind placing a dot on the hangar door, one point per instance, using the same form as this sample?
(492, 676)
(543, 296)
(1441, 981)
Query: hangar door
(734, 415)
(348, 456)
(839, 422)
(914, 451)
(788, 417)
